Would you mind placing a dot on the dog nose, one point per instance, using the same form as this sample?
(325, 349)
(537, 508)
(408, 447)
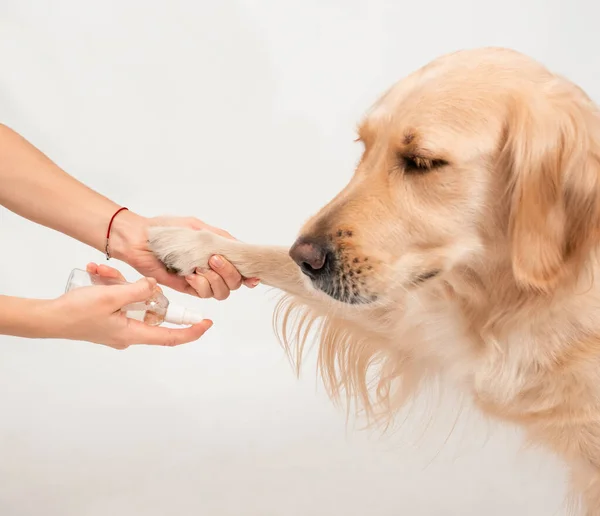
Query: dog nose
(311, 256)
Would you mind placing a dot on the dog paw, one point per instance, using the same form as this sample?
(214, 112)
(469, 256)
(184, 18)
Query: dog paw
(181, 250)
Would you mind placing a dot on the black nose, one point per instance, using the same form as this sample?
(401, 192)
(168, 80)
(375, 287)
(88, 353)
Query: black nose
(311, 256)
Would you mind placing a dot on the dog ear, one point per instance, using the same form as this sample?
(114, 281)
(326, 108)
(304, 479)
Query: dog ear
(552, 151)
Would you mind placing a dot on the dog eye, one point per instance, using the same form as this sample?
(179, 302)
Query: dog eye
(419, 165)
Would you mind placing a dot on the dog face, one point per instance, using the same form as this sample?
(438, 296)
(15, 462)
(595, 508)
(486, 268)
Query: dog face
(480, 152)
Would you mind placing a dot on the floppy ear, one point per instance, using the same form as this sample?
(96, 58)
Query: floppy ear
(552, 150)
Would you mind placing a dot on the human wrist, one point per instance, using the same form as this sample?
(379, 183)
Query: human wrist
(47, 319)
(54, 318)
(128, 230)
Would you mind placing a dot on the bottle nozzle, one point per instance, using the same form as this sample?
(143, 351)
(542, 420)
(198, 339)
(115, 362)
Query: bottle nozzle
(181, 315)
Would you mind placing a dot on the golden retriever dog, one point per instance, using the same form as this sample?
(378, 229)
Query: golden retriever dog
(463, 247)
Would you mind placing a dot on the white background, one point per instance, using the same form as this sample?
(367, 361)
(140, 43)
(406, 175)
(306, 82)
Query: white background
(241, 113)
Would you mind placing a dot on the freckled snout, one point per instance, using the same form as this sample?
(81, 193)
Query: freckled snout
(312, 256)
(335, 266)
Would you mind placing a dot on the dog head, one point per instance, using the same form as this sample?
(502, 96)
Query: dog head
(480, 155)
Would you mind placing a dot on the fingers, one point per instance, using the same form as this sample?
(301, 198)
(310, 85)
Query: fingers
(208, 283)
(251, 282)
(140, 333)
(122, 295)
(189, 222)
(229, 274)
(217, 282)
(104, 271)
(200, 285)
(218, 286)
(198, 224)
(221, 232)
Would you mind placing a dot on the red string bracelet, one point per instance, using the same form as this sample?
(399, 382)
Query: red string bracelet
(107, 251)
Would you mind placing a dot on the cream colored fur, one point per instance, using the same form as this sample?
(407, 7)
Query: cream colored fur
(509, 222)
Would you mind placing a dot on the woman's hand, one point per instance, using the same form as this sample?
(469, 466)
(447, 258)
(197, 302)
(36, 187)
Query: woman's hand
(130, 243)
(36, 188)
(93, 314)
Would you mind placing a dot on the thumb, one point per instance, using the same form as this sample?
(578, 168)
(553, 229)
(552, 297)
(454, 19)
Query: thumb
(136, 292)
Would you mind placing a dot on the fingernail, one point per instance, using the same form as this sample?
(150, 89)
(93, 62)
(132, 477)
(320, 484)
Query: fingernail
(217, 261)
(201, 270)
(255, 283)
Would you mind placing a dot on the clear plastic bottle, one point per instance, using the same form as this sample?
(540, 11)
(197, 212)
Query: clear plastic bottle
(154, 311)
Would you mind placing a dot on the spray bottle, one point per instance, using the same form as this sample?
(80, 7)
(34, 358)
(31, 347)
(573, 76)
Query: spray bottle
(154, 311)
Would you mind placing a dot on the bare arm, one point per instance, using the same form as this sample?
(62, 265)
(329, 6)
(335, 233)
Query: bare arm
(34, 187)
(37, 189)
(23, 317)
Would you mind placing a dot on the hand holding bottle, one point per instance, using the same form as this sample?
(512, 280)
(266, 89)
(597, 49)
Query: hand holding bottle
(94, 314)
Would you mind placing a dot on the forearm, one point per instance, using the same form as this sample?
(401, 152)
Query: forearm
(25, 317)
(34, 187)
